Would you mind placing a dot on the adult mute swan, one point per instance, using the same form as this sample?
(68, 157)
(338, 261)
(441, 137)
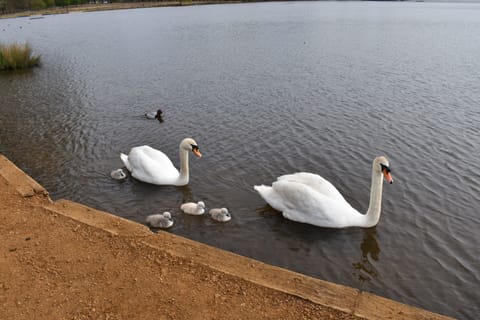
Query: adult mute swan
(153, 166)
(309, 198)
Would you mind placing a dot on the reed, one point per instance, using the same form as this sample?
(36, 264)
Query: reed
(17, 56)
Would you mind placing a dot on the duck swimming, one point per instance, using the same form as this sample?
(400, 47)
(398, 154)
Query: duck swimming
(154, 115)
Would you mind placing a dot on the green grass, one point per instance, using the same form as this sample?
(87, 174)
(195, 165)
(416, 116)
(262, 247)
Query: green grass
(17, 56)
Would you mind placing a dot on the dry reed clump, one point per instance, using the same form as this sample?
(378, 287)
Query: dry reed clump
(17, 56)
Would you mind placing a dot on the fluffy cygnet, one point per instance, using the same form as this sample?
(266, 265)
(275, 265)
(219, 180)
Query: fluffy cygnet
(193, 208)
(161, 220)
(220, 214)
(118, 174)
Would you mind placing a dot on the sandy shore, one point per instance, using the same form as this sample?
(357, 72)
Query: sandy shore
(63, 260)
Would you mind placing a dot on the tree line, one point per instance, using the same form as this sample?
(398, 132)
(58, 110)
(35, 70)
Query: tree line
(17, 5)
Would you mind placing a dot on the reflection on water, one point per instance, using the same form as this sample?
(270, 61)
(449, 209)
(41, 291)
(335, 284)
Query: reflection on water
(268, 89)
(187, 194)
(365, 269)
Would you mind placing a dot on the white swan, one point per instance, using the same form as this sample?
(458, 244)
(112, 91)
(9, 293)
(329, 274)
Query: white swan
(309, 198)
(153, 166)
(220, 214)
(193, 208)
(161, 220)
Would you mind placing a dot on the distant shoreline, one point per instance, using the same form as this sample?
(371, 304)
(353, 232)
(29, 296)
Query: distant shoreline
(154, 4)
(110, 6)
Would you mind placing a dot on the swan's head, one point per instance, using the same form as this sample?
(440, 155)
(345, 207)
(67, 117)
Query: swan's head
(381, 165)
(167, 215)
(190, 144)
(224, 211)
(201, 205)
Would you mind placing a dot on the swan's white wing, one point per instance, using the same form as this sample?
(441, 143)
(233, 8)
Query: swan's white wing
(152, 166)
(304, 204)
(315, 182)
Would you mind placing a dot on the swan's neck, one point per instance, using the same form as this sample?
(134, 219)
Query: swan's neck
(375, 206)
(184, 177)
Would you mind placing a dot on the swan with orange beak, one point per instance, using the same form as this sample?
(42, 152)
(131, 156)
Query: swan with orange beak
(153, 166)
(309, 198)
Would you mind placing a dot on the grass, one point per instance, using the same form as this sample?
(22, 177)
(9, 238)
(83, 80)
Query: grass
(17, 56)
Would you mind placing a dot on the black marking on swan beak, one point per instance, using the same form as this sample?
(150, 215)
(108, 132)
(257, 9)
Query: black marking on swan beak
(196, 151)
(387, 173)
(386, 168)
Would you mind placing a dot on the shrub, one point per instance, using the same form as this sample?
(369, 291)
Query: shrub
(17, 56)
(37, 4)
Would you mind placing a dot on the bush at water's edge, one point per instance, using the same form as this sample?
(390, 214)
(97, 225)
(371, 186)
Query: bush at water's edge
(17, 56)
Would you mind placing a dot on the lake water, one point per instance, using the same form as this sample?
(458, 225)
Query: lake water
(268, 89)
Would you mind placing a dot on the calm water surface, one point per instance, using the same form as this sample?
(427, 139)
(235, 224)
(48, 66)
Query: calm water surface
(269, 89)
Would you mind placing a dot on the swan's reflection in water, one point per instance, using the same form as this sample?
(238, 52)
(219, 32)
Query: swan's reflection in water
(364, 269)
(187, 194)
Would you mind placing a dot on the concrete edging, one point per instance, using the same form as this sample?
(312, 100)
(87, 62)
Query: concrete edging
(339, 297)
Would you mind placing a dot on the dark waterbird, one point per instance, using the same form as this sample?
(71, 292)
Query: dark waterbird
(154, 115)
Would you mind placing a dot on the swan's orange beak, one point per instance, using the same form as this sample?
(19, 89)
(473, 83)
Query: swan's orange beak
(197, 152)
(387, 175)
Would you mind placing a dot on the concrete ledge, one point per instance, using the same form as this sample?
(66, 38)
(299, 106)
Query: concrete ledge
(318, 291)
(343, 298)
(371, 306)
(24, 184)
(99, 219)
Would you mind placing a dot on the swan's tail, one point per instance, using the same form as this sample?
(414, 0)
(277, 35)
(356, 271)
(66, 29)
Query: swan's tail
(266, 192)
(262, 189)
(270, 196)
(124, 158)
